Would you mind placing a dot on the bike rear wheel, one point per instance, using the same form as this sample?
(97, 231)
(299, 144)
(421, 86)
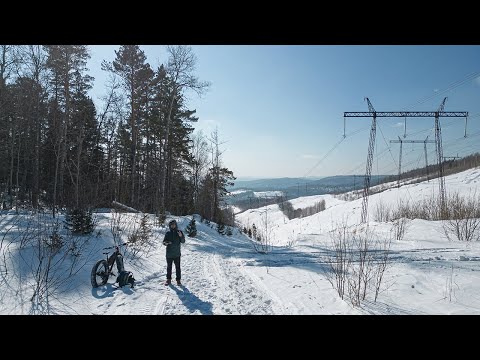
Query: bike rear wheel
(99, 275)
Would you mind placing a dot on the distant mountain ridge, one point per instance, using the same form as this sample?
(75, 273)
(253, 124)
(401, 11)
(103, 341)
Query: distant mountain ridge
(290, 184)
(256, 193)
(268, 184)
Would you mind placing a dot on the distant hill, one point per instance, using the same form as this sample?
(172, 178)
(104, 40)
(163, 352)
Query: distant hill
(347, 180)
(256, 193)
(289, 184)
(268, 184)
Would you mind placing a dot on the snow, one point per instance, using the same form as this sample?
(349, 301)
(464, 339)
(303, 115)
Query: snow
(237, 192)
(427, 273)
(236, 209)
(267, 194)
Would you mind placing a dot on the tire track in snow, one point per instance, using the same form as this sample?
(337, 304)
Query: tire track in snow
(243, 295)
(213, 281)
(213, 284)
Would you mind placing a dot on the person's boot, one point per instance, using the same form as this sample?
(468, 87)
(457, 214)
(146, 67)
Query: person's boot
(179, 283)
(168, 282)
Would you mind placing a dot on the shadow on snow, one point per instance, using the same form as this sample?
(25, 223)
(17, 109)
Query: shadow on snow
(191, 301)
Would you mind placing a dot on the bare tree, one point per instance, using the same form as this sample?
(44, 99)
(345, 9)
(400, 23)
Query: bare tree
(200, 162)
(180, 69)
(36, 69)
(382, 262)
(9, 59)
(263, 244)
(339, 261)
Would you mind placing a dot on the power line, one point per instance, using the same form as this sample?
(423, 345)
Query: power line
(325, 156)
(333, 148)
(452, 86)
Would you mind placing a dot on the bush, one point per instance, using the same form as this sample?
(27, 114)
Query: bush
(357, 263)
(399, 228)
(382, 212)
(55, 241)
(463, 218)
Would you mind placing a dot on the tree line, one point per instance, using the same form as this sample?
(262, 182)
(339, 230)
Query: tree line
(449, 167)
(58, 150)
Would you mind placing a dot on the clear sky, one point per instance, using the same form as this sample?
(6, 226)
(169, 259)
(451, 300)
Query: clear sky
(279, 109)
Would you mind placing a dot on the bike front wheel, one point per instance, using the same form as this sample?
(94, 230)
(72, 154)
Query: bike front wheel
(99, 275)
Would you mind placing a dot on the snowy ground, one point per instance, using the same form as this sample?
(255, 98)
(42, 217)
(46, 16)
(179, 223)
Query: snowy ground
(428, 274)
(238, 192)
(267, 194)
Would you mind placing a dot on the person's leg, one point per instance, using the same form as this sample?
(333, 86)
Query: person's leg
(177, 269)
(169, 268)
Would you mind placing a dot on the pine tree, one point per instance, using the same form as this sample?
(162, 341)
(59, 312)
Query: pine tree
(69, 81)
(254, 231)
(79, 221)
(221, 228)
(250, 233)
(141, 235)
(191, 229)
(137, 77)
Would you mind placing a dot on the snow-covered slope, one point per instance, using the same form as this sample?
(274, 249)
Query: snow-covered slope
(465, 183)
(428, 274)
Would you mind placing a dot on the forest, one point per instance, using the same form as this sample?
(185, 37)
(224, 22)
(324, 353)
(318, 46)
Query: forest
(61, 152)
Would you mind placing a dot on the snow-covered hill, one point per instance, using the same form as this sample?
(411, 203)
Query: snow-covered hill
(428, 274)
(464, 183)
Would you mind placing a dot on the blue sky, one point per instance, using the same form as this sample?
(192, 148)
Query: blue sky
(279, 109)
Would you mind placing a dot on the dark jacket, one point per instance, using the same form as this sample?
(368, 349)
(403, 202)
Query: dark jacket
(173, 240)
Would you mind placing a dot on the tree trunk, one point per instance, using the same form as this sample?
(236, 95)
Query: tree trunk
(55, 182)
(17, 173)
(63, 144)
(79, 154)
(164, 158)
(133, 155)
(36, 162)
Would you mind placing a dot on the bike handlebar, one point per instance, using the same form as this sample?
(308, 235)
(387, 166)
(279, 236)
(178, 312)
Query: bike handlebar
(114, 246)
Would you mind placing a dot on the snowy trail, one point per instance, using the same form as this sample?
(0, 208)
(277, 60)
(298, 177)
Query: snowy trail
(213, 283)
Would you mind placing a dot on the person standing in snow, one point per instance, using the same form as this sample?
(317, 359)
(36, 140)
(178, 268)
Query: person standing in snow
(172, 241)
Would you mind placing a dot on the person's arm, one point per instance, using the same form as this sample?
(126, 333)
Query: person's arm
(165, 242)
(182, 236)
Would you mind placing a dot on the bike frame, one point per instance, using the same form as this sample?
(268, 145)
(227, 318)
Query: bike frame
(114, 259)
